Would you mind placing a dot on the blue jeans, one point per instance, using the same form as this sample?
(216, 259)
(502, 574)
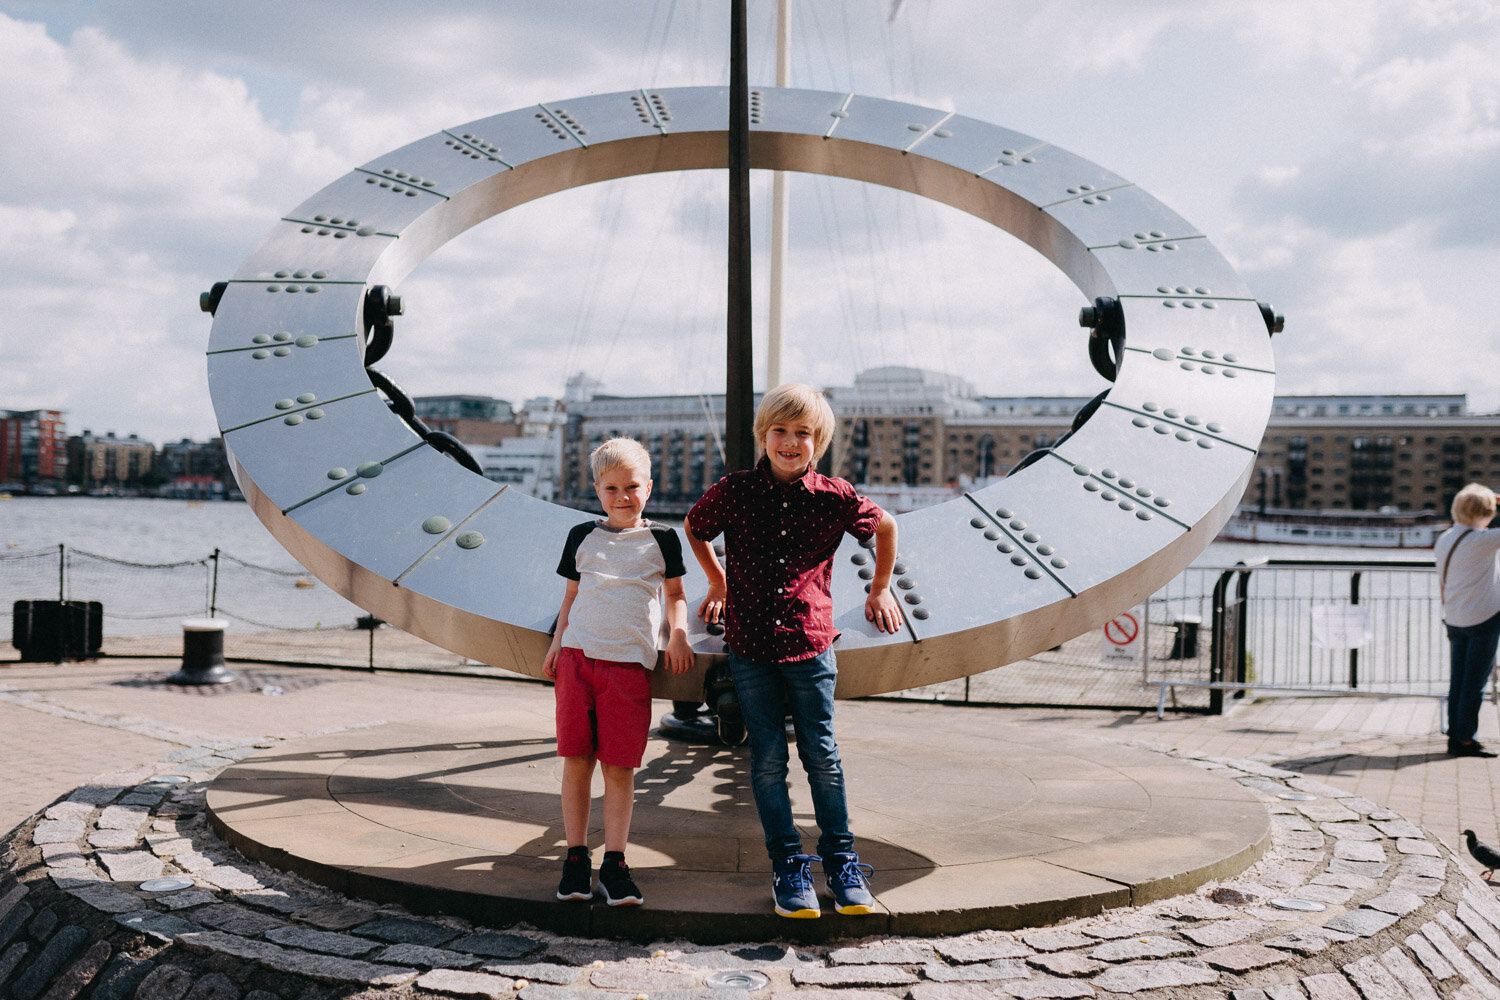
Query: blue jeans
(1472, 649)
(766, 691)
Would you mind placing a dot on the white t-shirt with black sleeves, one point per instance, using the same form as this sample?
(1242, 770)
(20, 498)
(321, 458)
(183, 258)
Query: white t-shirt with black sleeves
(618, 612)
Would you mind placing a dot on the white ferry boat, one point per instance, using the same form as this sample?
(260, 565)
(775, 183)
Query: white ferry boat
(1386, 529)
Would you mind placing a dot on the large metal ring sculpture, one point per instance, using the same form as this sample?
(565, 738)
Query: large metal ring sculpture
(1097, 523)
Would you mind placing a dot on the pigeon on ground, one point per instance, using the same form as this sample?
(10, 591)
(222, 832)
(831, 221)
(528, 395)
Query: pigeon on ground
(1483, 853)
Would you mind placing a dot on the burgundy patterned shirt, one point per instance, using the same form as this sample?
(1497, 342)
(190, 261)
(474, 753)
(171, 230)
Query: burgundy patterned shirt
(779, 543)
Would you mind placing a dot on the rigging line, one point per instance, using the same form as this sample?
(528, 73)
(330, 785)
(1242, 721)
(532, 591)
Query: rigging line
(661, 46)
(879, 257)
(705, 284)
(940, 298)
(766, 51)
(897, 31)
(912, 50)
(713, 426)
(823, 49)
(833, 235)
(645, 258)
(613, 199)
(848, 45)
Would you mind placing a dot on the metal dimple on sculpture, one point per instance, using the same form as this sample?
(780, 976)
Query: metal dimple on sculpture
(392, 524)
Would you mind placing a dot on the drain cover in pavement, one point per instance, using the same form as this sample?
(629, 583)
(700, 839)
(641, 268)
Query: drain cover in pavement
(736, 979)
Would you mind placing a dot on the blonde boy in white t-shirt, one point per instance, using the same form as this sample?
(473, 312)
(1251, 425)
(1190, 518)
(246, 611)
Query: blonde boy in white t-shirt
(624, 584)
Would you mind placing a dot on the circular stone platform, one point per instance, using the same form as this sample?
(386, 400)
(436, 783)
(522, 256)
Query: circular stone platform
(969, 823)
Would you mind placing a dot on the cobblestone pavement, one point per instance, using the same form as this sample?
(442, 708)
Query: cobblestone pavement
(116, 888)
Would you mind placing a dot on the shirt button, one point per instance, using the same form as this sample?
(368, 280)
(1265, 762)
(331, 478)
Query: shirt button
(778, 621)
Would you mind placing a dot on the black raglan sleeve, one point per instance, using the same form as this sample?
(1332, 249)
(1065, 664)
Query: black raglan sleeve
(670, 544)
(568, 565)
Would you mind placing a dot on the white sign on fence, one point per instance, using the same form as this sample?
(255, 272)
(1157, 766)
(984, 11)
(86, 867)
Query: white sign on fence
(1340, 626)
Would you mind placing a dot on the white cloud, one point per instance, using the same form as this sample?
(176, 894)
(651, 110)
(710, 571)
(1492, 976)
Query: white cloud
(1343, 154)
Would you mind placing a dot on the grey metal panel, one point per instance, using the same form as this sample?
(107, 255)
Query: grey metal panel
(1105, 217)
(297, 461)
(1138, 267)
(519, 136)
(1077, 523)
(962, 580)
(892, 124)
(366, 206)
(979, 147)
(318, 252)
(602, 118)
(1170, 456)
(1049, 174)
(384, 528)
(250, 311)
(1220, 339)
(261, 385)
(498, 560)
(689, 109)
(441, 164)
(798, 112)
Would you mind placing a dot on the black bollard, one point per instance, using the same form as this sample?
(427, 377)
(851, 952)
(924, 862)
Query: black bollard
(203, 653)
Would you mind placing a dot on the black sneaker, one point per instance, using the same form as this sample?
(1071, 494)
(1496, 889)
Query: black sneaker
(577, 878)
(619, 888)
(1468, 748)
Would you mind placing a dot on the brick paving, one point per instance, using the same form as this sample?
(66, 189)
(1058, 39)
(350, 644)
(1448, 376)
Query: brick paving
(108, 790)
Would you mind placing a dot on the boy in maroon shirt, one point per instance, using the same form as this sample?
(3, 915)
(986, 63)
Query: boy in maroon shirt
(782, 523)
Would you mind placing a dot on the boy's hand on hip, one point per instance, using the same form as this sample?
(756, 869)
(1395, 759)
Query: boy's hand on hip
(882, 609)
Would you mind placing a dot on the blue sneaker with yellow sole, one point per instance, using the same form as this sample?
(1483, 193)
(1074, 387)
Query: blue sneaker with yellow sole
(849, 881)
(792, 886)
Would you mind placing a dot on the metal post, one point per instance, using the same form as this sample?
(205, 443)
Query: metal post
(1241, 638)
(213, 587)
(739, 391)
(778, 210)
(62, 573)
(1354, 650)
(1216, 654)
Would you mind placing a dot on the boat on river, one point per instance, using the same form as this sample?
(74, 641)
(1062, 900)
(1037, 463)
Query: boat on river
(1384, 529)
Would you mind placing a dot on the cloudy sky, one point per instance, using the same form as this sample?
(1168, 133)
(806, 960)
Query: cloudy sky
(1344, 155)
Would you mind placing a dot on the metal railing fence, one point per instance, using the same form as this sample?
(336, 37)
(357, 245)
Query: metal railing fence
(1333, 623)
(146, 599)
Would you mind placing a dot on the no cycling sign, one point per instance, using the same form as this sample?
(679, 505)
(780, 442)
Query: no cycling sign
(1124, 638)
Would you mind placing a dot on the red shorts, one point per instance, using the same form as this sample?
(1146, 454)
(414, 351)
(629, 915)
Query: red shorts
(603, 708)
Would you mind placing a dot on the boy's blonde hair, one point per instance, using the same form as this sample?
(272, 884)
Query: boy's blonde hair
(1474, 503)
(617, 452)
(793, 402)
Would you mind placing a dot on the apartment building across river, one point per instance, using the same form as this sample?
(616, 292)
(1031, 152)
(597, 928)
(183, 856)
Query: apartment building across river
(913, 436)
